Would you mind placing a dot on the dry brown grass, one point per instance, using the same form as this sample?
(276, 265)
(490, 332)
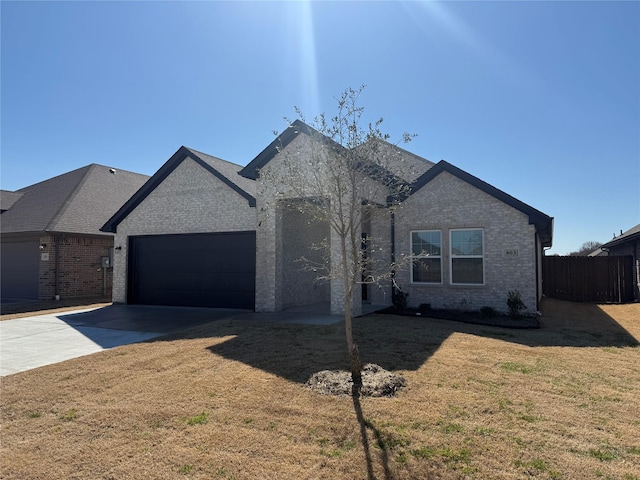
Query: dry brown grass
(227, 401)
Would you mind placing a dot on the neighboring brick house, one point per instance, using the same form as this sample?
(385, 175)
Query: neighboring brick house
(51, 239)
(627, 243)
(206, 232)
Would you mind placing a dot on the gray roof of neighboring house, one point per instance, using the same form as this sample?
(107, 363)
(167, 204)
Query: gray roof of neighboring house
(79, 201)
(225, 171)
(630, 235)
(7, 199)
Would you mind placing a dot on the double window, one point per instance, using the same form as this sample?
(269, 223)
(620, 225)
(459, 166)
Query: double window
(466, 256)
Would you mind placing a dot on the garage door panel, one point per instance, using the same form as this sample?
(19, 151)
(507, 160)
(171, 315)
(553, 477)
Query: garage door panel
(20, 264)
(212, 270)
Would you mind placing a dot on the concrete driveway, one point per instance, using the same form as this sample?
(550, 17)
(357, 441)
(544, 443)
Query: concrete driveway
(32, 342)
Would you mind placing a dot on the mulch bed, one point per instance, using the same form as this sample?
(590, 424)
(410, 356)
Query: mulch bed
(474, 317)
(376, 382)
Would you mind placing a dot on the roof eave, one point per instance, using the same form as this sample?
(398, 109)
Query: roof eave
(252, 169)
(112, 224)
(621, 240)
(170, 165)
(542, 222)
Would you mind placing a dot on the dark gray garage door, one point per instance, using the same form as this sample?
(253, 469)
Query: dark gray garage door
(196, 270)
(20, 263)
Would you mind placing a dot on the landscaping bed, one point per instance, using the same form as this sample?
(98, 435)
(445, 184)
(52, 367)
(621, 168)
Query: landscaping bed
(467, 316)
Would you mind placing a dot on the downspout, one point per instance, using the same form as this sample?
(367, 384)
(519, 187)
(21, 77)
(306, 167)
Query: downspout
(538, 260)
(57, 268)
(538, 301)
(104, 280)
(393, 255)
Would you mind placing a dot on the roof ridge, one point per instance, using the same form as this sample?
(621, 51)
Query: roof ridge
(404, 150)
(74, 192)
(199, 152)
(251, 169)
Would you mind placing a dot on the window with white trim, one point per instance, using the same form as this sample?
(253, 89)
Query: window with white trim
(426, 251)
(467, 256)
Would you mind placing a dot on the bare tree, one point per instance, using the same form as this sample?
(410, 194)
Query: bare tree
(343, 175)
(586, 248)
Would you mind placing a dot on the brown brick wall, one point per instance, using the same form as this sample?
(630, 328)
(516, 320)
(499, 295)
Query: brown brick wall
(80, 271)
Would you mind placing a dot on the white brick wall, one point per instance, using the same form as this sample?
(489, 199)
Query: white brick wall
(294, 164)
(449, 203)
(380, 253)
(192, 200)
(301, 284)
(189, 200)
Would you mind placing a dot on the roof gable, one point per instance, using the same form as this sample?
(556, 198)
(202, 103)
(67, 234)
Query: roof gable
(225, 171)
(252, 170)
(75, 202)
(228, 172)
(388, 172)
(542, 222)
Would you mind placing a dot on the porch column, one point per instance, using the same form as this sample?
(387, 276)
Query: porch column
(268, 258)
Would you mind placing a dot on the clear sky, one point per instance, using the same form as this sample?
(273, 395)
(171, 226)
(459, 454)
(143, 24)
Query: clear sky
(539, 99)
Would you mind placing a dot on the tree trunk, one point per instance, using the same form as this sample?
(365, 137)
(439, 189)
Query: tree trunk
(354, 353)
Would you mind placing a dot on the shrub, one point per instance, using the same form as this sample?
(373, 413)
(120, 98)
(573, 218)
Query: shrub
(515, 304)
(400, 299)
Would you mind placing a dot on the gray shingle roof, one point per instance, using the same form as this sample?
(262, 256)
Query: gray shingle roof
(631, 234)
(7, 199)
(399, 161)
(79, 201)
(391, 159)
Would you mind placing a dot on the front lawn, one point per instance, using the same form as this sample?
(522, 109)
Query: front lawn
(228, 401)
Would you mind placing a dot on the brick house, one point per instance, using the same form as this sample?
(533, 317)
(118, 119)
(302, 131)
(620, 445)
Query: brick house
(51, 239)
(627, 243)
(206, 232)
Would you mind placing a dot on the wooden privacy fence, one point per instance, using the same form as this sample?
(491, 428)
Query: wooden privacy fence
(589, 279)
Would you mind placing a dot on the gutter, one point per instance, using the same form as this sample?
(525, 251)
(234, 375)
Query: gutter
(57, 268)
(393, 254)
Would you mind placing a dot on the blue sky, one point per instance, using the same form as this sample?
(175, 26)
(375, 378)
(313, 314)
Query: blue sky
(539, 99)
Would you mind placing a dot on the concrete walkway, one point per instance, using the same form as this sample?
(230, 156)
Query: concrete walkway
(39, 340)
